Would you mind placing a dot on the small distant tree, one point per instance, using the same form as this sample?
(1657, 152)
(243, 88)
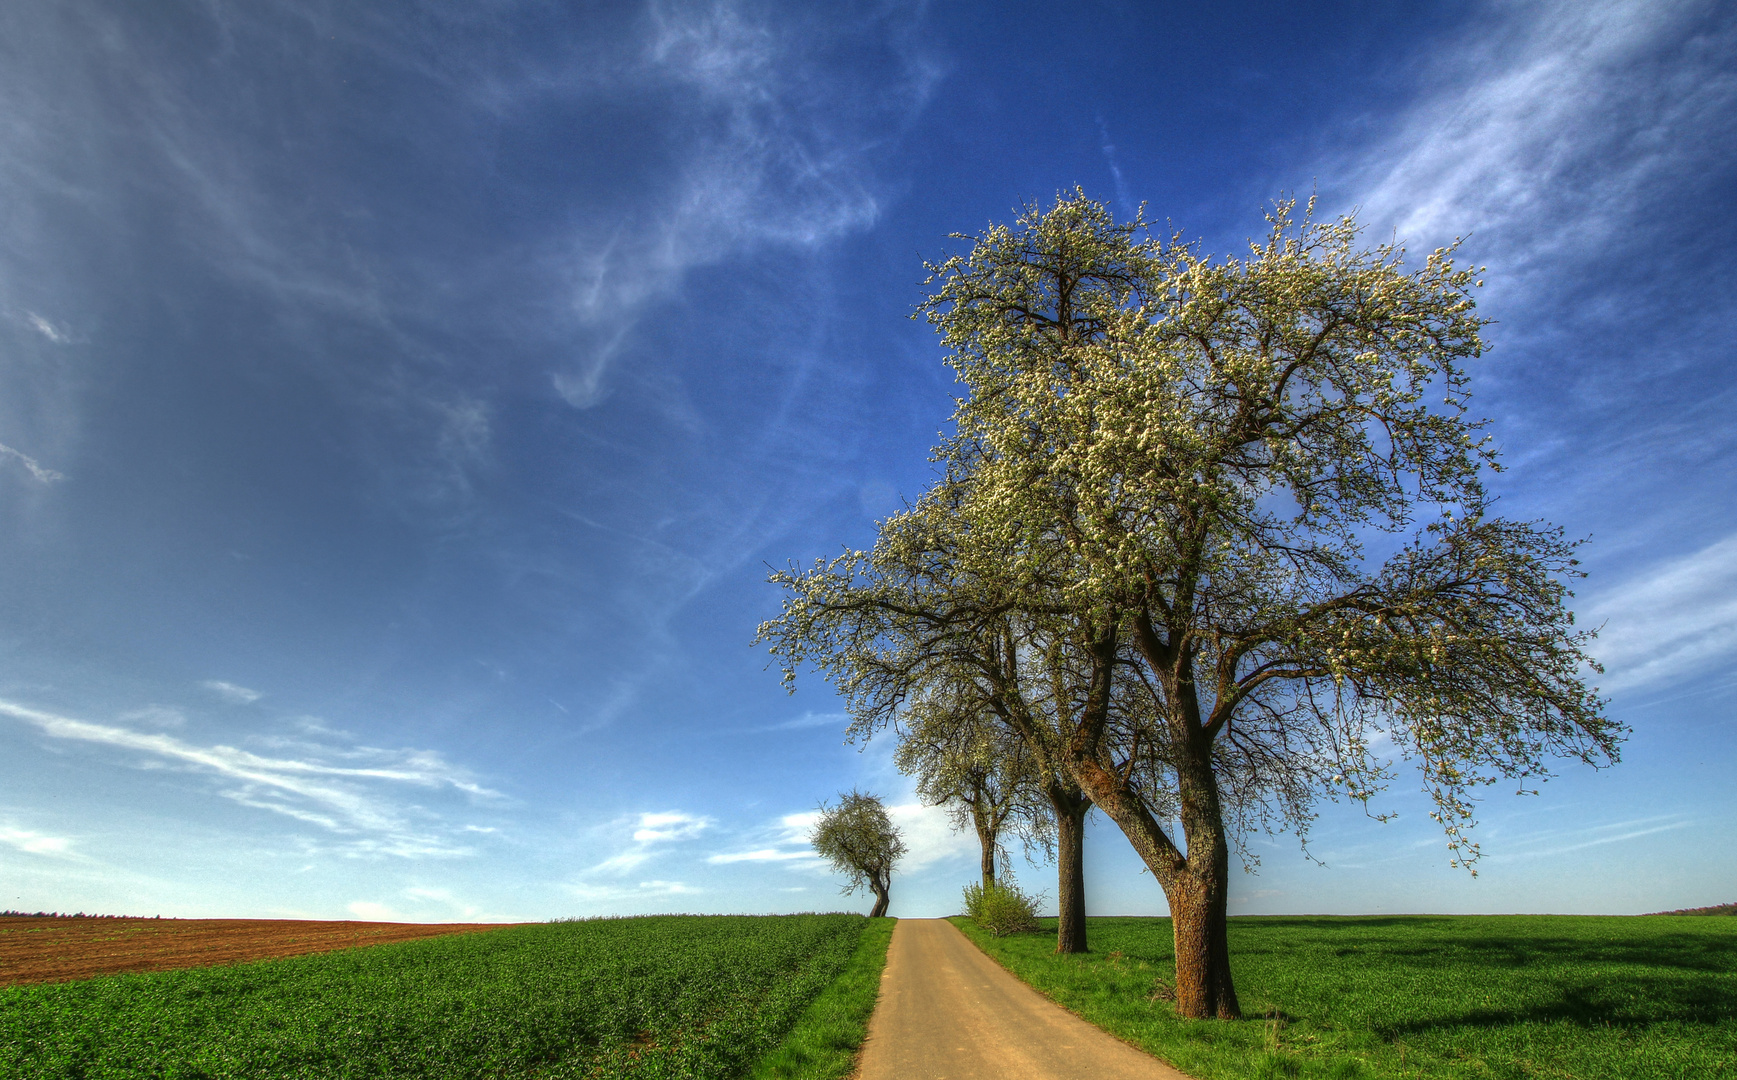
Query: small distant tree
(963, 760)
(858, 839)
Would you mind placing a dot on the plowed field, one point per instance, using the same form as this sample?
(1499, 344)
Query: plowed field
(36, 950)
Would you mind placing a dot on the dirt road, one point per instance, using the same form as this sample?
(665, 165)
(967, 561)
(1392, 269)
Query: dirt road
(947, 1012)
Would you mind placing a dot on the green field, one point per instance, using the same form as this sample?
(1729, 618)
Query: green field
(824, 1042)
(664, 996)
(1520, 996)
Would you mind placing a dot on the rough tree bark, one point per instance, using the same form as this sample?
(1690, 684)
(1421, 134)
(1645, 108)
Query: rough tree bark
(1199, 895)
(1070, 806)
(1196, 884)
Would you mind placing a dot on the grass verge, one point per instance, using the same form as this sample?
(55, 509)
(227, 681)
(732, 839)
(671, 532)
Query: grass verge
(1461, 997)
(663, 996)
(824, 1042)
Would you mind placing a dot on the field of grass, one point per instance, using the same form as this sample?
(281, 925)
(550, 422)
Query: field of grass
(1471, 997)
(664, 996)
(824, 1042)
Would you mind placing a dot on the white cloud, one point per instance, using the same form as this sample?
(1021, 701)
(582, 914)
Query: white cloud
(35, 843)
(785, 840)
(929, 836)
(1561, 841)
(1545, 129)
(47, 329)
(1557, 134)
(759, 855)
(34, 467)
(1124, 202)
(775, 155)
(670, 825)
(228, 691)
(623, 862)
(338, 798)
(796, 828)
(1674, 621)
(811, 719)
(650, 830)
(644, 890)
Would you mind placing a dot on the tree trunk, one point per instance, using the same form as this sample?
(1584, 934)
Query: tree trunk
(1070, 808)
(986, 837)
(1196, 884)
(882, 898)
(1198, 921)
(1199, 897)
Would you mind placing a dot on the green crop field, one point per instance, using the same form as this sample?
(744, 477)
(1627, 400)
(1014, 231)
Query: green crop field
(665, 996)
(1572, 997)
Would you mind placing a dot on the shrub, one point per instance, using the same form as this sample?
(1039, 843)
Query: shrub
(1001, 909)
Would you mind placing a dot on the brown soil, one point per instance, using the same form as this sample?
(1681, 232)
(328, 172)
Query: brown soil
(34, 950)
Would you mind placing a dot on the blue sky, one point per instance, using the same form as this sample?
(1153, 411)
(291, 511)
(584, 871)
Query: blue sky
(399, 405)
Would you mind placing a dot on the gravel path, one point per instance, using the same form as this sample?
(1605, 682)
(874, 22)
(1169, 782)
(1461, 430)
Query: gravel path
(947, 1012)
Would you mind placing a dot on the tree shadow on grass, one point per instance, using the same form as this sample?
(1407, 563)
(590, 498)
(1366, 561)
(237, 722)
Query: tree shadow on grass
(1343, 922)
(1619, 1003)
(1622, 972)
(1454, 942)
(1663, 952)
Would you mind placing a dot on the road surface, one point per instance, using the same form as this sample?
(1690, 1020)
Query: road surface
(947, 1012)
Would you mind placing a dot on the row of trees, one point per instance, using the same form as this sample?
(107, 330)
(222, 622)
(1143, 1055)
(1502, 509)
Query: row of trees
(1206, 534)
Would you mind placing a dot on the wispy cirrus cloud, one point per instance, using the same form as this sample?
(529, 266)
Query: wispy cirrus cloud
(36, 843)
(669, 825)
(340, 798)
(778, 153)
(230, 692)
(810, 719)
(47, 329)
(644, 890)
(702, 131)
(759, 855)
(31, 465)
(156, 716)
(1546, 842)
(783, 840)
(1674, 621)
(1575, 144)
(1547, 128)
(650, 831)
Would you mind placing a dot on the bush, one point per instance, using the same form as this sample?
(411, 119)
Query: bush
(1001, 909)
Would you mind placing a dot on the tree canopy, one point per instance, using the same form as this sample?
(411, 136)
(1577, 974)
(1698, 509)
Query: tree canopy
(1224, 523)
(858, 839)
